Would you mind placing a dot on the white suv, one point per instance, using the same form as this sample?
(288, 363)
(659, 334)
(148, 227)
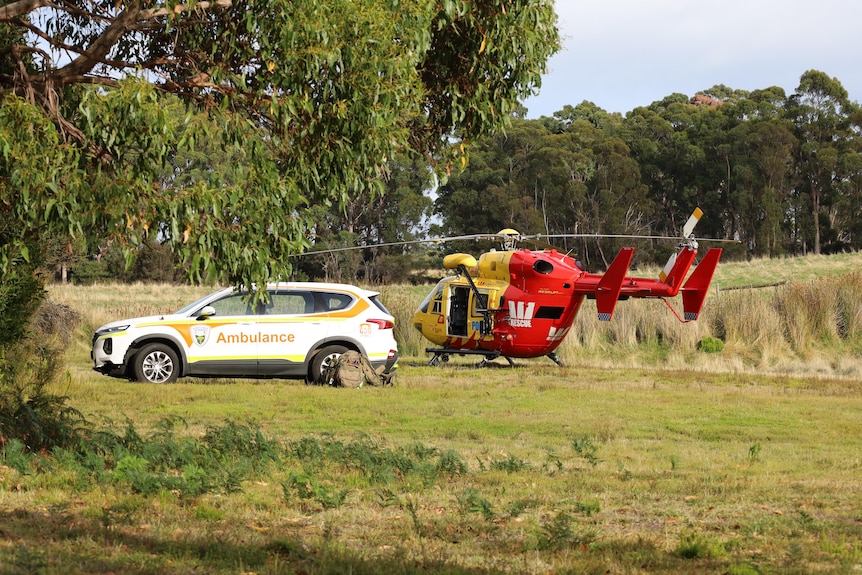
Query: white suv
(302, 330)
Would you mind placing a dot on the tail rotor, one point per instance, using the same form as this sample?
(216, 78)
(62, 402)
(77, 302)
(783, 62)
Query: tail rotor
(688, 241)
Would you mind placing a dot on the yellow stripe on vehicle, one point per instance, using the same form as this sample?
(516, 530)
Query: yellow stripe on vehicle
(293, 358)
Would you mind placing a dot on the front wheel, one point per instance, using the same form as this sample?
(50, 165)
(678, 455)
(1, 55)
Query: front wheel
(156, 363)
(325, 358)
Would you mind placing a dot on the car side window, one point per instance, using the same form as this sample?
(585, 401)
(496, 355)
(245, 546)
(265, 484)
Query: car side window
(233, 304)
(290, 303)
(336, 301)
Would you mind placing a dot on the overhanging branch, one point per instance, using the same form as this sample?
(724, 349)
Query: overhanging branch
(21, 8)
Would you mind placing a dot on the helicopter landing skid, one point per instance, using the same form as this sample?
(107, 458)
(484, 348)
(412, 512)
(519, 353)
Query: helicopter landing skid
(442, 354)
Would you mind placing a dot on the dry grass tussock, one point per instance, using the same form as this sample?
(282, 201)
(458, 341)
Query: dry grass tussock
(811, 328)
(101, 303)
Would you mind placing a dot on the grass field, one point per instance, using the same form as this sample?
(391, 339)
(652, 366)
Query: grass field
(589, 468)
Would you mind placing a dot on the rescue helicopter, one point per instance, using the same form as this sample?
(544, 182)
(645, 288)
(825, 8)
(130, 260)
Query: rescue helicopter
(519, 302)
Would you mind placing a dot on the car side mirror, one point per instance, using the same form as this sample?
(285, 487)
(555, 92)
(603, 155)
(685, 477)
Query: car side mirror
(206, 312)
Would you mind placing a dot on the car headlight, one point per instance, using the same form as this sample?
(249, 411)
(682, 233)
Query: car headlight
(109, 330)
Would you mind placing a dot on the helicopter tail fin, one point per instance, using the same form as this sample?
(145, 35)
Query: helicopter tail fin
(609, 287)
(680, 261)
(676, 267)
(695, 289)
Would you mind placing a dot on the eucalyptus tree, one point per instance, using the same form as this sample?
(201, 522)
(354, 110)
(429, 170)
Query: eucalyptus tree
(590, 183)
(822, 114)
(663, 140)
(849, 204)
(399, 215)
(494, 190)
(561, 175)
(766, 148)
(752, 144)
(316, 95)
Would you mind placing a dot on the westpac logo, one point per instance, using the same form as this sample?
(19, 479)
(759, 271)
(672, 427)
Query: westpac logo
(521, 313)
(200, 334)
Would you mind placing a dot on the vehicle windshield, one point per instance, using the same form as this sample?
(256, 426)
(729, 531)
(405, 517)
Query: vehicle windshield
(195, 304)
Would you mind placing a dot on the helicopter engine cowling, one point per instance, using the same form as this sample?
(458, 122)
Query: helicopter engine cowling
(453, 261)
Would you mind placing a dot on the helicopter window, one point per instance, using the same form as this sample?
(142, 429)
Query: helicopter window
(480, 303)
(437, 296)
(549, 312)
(543, 267)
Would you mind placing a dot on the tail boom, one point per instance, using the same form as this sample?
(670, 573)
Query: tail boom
(615, 285)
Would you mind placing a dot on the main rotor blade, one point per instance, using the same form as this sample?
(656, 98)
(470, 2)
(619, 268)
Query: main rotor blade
(692, 221)
(493, 236)
(539, 240)
(351, 248)
(622, 236)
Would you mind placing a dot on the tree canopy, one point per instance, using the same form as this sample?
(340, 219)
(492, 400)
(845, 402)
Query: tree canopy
(311, 98)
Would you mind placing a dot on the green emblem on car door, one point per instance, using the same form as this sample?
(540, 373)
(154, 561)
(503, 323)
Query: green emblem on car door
(200, 334)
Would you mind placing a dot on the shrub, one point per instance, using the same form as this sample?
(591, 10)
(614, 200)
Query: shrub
(41, 420)
(693, 546)
(88, 272)
(21, 294)
(710, 345)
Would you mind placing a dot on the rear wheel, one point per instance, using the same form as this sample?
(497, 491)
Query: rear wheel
(326, 357)
(156, 363)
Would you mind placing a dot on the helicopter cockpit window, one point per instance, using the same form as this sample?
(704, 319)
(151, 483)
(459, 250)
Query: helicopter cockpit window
(437, 306)
(480, 304)
(437, 297)
(543, 267)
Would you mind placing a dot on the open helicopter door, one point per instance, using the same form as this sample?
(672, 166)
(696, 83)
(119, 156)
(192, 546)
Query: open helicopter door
(459, 305)
(468, 311)
(694, 290)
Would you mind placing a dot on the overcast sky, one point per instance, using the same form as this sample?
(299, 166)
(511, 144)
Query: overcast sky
(621, 54)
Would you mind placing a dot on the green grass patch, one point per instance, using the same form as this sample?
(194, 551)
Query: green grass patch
(643, 454)
(451, 471)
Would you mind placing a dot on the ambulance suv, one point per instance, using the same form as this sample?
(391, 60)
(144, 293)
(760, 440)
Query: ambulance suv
(302, 329)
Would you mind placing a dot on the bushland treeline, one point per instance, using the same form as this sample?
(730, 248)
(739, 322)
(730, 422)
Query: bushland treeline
(781, 173)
